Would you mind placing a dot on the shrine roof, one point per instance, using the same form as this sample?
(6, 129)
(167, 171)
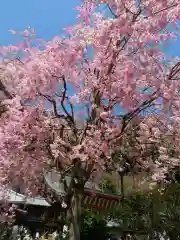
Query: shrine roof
(13, 197)
(53, 180)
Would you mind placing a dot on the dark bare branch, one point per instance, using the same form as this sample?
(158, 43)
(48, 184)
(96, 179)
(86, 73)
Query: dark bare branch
(54, 104)
(174, 71)
(129, 116)
(63, 99)
(113, 13)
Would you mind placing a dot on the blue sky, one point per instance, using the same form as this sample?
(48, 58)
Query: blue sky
(48, 17)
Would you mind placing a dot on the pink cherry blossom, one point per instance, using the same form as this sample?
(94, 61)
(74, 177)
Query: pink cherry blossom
(123, 74)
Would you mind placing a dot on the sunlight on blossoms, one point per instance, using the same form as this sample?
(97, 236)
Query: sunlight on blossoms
(107, 85)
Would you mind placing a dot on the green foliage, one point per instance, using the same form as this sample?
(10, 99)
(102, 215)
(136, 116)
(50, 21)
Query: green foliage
(144, 214)
(108, 186)
(94, 226)
(94, 222)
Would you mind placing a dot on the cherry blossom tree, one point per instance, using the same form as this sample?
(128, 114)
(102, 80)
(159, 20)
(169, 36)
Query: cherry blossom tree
(106, 71)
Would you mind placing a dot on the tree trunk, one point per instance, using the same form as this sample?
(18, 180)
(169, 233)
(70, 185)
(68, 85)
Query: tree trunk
(75, 214)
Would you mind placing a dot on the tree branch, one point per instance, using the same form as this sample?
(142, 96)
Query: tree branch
(6, 92)
(69, 117)
(110, 9)
(166, 8)
(174, 71)
(54, 104)
(63, 99)
(129, 116)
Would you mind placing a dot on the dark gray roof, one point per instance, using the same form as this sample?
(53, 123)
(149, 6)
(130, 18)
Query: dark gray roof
(53, 180)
